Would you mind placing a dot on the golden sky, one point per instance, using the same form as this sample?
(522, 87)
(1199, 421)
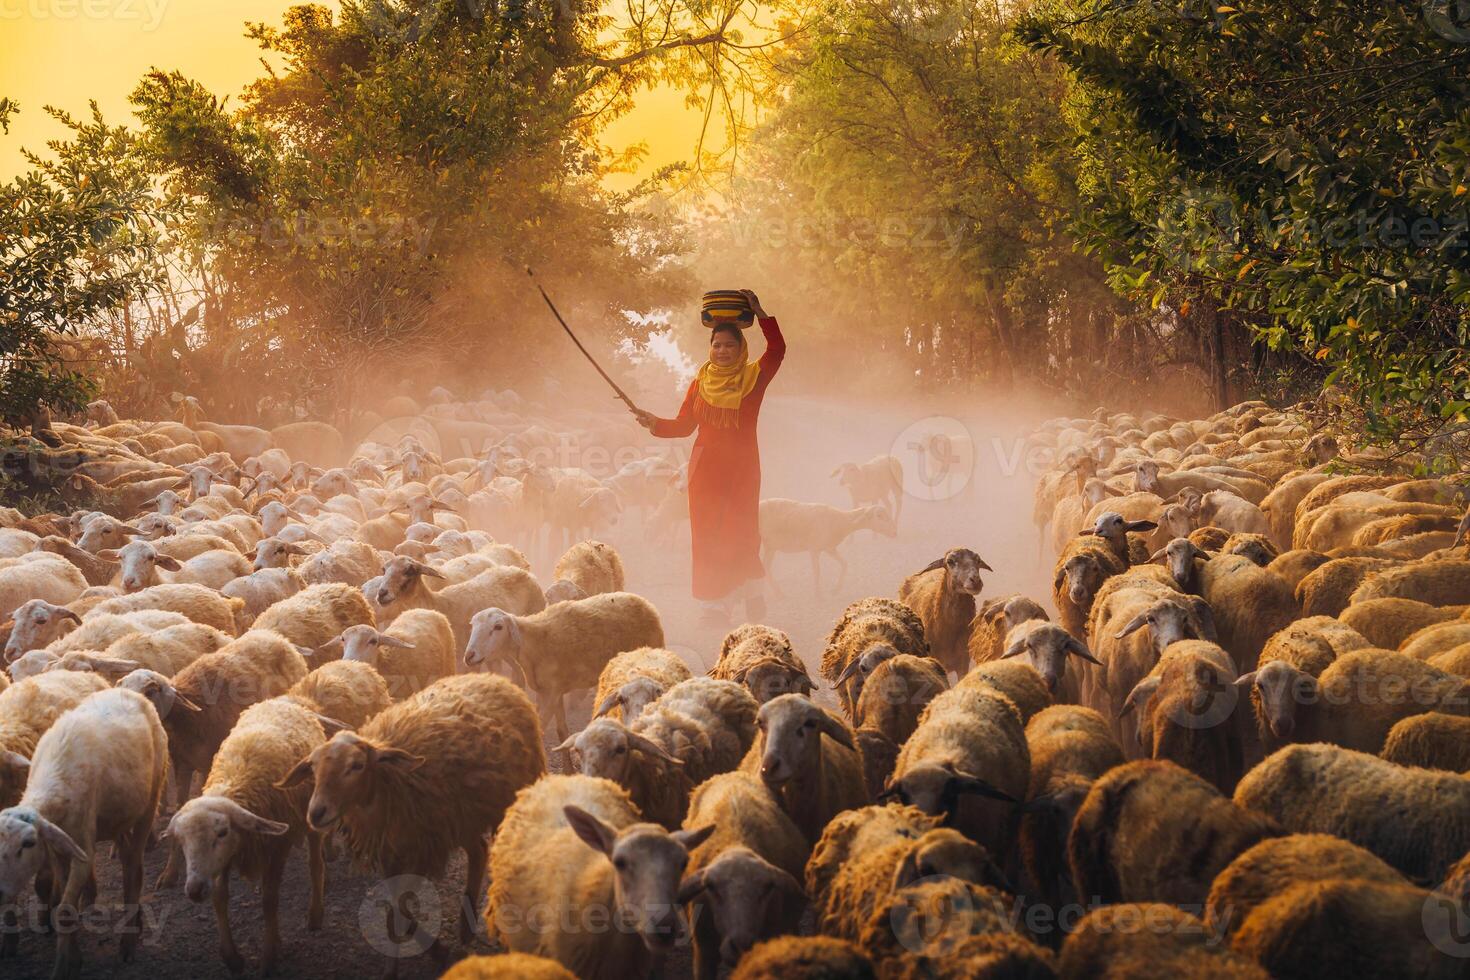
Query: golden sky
(65, 52)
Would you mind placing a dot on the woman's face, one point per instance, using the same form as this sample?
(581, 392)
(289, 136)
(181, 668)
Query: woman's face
(724, 349)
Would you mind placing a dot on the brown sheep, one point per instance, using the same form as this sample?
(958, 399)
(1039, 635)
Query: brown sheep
(1047, 649)
(870, 877)
(1150, 831)
(815, 777)
(317, 614)
(1293, 566)
(508, 966)
(344, 691)
(1349, 927)
(429, 775)
(416, 650)
(1275, 865)
(1081, 569)
(195, 602)
(994, 620)
(742, 884)
(242, 822)
(863, 624)
(1436, 639)
(1124, 942)
(1387, 623)
(1327, 591)
(1071, 746)
(804, 958)
(916, 929)
(1433, 740)
(943, 595)
(761, 658)
(968, 762)
(634, 679)
(856, 832)
(1186, 708)
(592, 566)
(1017, 680)
(1417, 820)
(1439, 583)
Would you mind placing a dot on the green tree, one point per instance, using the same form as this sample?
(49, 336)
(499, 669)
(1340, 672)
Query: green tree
(78, 237)
(1300, 168)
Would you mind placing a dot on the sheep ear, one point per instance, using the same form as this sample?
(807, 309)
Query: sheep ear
(165, 562)
(981, 562)
(245, 820)
(803, 684)
(566, 746)
(14, 761)
(299, 774)
(1132, 625)
(1246, 681)
(398, 758)
(693, 838)
(1140, 526)
(58, 839)
(1016, 648)
(836, 730)
(965, 783)
(392, 641)
(108, 554)
(1142, 692)
(612, 701)
(1076, 648)
(331, 726)
(936, 563)
(907, 871)
(690, 887)
(592, 831)
(431, 572)
(649, 747)
(66, 613)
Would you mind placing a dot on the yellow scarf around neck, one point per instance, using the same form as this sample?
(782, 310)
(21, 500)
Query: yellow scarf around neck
(722, 389)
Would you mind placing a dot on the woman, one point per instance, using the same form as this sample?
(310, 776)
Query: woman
(723, 403)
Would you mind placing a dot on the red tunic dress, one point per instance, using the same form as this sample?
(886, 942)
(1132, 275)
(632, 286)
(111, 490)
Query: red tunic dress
(725, 483)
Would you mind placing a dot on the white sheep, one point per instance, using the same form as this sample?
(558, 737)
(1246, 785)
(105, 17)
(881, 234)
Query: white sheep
(142, 565)
(790, 526)
(564, 647)
(260, 590)
(878, 481)
(97, 775)
(38, 575)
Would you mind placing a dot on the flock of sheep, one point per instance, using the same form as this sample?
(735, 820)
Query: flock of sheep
(1231, 742)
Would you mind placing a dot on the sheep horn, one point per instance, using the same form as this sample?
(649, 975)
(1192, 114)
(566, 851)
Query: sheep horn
(1075, 647)
(649, 747)
(965, 783)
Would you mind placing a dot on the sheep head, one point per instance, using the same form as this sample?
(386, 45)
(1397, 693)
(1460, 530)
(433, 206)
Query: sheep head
(345, 771)
(495, 637)
(275, 553)
(791, 730)
(647, 863)
(38, 623)
(1277, 688)
(139, 563)
(1114, 528)
(1179, 557)
(365, 644)
(737, 890)
(937, 788)
(27, 839)
(1169, 620)
(402, 575)
(632, 698)
(606, 746)
(946, 852)
(1081, 576)
(857, 670)
(564, 590)
(103, 532)
(1021, 610)
(770, 677)
(159, 691)
(1046, 647)
(1146, 476)
(962, 569)
(209, 830)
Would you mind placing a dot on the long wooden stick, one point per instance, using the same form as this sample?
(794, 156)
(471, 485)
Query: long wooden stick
(552, 306)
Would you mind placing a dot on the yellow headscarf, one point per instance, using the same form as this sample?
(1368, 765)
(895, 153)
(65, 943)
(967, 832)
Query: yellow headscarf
(722, 389)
